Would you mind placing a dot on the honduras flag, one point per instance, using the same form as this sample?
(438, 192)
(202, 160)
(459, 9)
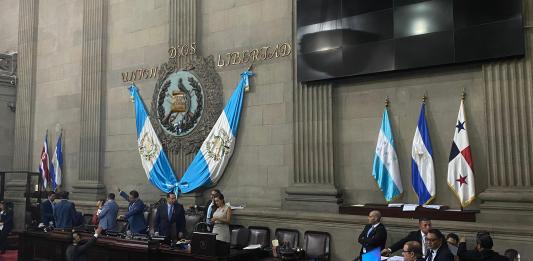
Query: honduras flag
(385, 168)
(209, 163)
(153, 157)
(57, 164)
(422, 173)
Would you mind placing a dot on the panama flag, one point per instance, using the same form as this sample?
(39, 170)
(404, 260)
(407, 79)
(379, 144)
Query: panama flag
(44, 164)
(385, 168)
(422, 173)
(57, 164)
(460, 166)
(153, 157)
(209, 163)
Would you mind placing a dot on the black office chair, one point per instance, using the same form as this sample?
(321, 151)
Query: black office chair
(317, 245)
(191, 220)
(122, 226)
(239, 236)
(291, 236)
(259, 235)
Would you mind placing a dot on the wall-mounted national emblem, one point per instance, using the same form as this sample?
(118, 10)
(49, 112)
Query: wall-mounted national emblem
(186, 104)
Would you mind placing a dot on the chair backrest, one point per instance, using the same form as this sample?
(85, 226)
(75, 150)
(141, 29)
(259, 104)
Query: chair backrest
(259, 235)
(122, 226)
(152, 221)
(191, 219)
(288, 235)
(239, 236)
(317, 245)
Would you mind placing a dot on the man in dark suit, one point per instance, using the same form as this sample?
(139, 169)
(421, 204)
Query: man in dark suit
(437, 247)
(47, 211)
(78, 251)
(374, 234)
(6, 221)
(64, 212)
(483, 251)
(135, 214)
(424, 225)
(170, 219)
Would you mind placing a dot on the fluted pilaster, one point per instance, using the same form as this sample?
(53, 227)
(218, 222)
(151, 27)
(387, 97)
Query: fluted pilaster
(314, 179)
(509, 107)
(92, 96)
(27, 56)
(182, 30)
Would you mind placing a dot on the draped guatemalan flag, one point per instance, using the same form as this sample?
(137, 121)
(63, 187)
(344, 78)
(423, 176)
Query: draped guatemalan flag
(153, 157)
(385, 169)
(209, 163)
(57, 164)
(422, 172)
(44, 164)
(460, 166)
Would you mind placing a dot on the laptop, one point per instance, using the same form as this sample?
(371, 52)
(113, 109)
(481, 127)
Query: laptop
(203, 244)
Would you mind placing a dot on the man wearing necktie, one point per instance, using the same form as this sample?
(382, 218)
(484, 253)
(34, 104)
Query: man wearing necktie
(374, 234)
(424, 225)
(170, 219)
(437, 247)
(135, 214)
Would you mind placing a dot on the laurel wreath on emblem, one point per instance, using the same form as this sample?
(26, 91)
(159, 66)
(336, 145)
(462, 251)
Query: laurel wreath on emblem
(148, 148)
(218, 146)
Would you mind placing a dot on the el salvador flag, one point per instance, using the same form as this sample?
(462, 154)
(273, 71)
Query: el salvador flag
(385, 169)
(209, 163)
(153, 157)
(422, 172)
(57, 164)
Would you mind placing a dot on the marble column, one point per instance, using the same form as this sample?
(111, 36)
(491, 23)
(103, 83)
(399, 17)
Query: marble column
(509, 108)
(27, 65)
(314, 180)
(182, 30)
(94, 32)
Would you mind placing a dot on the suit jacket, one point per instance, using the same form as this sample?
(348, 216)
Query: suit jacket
(78, 252)
(412, 236)
(135, 215)
(47, 213)
(64, 214)
(474, 255)
(163, 222)
(108, 216)
(376, 239)
(7, 218)
(443, 253)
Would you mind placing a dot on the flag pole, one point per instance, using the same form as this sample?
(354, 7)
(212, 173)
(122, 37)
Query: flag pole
(463, 95)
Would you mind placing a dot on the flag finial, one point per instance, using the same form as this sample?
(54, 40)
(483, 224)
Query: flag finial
(424, 97)
(463, 95)
(387, 101)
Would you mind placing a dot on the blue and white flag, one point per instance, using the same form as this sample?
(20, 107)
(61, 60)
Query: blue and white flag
(385, 169)
(153, 157)
(209, 163)
(57, 164)
(422, 172)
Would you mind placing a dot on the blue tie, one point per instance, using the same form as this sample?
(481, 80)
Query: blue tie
(170, 212)
(370, 230)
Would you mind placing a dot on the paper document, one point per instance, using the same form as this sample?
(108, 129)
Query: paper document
(433, 206)
(409, 207)
(395, 258)
(253, 246)
(395, 205)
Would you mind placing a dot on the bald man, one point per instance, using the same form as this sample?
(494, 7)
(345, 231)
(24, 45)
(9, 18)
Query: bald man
(374, 234)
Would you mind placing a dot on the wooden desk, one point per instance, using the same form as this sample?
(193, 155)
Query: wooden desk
(435, 214)
(53, 245)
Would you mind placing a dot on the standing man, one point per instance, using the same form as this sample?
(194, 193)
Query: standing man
(47, 211)
(412, 251)
(64, 212)
(374, 234)
(108, 214)
(135, 214)
(437, 247)
(424, 225)
(211, 208)
(6, 222)
(170, 219)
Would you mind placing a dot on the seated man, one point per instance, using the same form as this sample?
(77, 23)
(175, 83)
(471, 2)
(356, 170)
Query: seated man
(437, 247)
(135, 214)
(424, 225)
(412, 251)
(374, 235)
(483, 249)
(78, 251)
(512, 254)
